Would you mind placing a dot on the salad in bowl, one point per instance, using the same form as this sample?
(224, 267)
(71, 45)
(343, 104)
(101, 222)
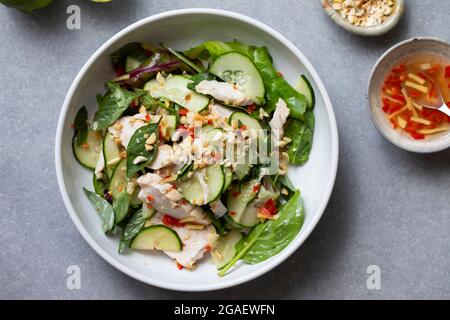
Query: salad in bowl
(189, 152)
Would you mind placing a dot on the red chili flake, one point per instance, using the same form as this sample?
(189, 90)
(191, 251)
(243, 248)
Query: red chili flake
(188, 98)
(120, 72)
(233, 213)
(183, 111)
(179, 266)
(280, 74)
(235, 194)
(150, 198)
(183, 201)
(134, 103)
(72, 126)
(149, 206)
(171, 221)
(418, 136)
(210, 122)
(251, 108)
(207, 248)
(243, 127)
(256, 187)
(271, 206)
(148, 117)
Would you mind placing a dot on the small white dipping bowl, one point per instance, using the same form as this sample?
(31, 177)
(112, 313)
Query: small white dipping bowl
(394, 56)
(372, 31)
(183, 29)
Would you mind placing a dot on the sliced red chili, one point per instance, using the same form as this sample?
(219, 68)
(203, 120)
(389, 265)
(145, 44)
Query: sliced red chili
(171, 221)
(271, 206)
(183, 111)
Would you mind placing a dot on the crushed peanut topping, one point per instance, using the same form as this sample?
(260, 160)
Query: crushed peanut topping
(364, 13)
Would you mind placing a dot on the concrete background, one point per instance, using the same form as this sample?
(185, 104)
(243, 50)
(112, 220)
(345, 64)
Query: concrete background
(390, 208)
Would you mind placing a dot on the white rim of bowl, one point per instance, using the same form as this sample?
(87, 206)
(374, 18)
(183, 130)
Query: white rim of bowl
(274, 262)
(419, 149)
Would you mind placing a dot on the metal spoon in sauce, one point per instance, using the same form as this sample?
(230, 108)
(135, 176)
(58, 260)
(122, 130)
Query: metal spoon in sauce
(438, 104)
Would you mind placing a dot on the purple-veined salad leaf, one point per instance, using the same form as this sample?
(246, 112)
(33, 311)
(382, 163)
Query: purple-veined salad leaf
(134, 50)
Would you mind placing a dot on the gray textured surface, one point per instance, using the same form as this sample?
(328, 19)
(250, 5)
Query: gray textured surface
(389, 208)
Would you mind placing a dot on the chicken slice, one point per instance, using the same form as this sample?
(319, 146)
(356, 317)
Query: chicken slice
(223, 91)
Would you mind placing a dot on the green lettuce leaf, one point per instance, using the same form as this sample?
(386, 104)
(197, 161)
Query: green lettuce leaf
(132, 228)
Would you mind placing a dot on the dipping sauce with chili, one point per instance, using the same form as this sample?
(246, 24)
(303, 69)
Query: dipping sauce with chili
(409, 82)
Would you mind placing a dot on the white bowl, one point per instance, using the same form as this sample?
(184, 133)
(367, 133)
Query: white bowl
(394, 56)
(183, 29)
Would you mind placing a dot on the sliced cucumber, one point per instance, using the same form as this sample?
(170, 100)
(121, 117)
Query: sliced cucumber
(175, 89)
(237, 200)
(118, 181)
(99, 185)
(250, 216)
(210, 133)
(147, 212)
(199, 192)
(242, 170)
(232, 225)
(172, 123)
(228, 178)
(237, 68)
(134, 198)
(306, 89)
(224, 249)
(157, 237)
(88, 152)
(111, 153)
(244, 119)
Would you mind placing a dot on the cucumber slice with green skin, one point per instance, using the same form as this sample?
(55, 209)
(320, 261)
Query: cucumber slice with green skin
(88, 153)
(210, 133)
(245, 119)
(306, 89)
(228, 178)
(242, 170)
(157, 237)
(232, 225)
(224, 249)
(99, 185)
(132, 63)
(175, 89)
(250, 216)
(111, 153)
(195, 192)
(147, 212)
(118, 181)
(237, 68)
(172, 123)
(237, 200)
(135, 201)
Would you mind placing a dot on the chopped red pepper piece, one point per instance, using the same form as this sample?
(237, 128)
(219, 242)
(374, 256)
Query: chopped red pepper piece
(256, 188)
(179, 266)
(150, 198)
(183, 111)
(172, 222)
(271, 206)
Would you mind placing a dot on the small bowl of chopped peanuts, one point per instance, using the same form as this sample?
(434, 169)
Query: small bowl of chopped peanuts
(365, 17)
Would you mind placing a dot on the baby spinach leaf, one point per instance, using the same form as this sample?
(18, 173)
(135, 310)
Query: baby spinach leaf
(112, 105)
(277, 234)
(301, 133)
(276, 86)
(199, 78)
(103, 208)
(271, 237)
(121, 205)
(136, 148)
(80, 125)
(132, 228)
